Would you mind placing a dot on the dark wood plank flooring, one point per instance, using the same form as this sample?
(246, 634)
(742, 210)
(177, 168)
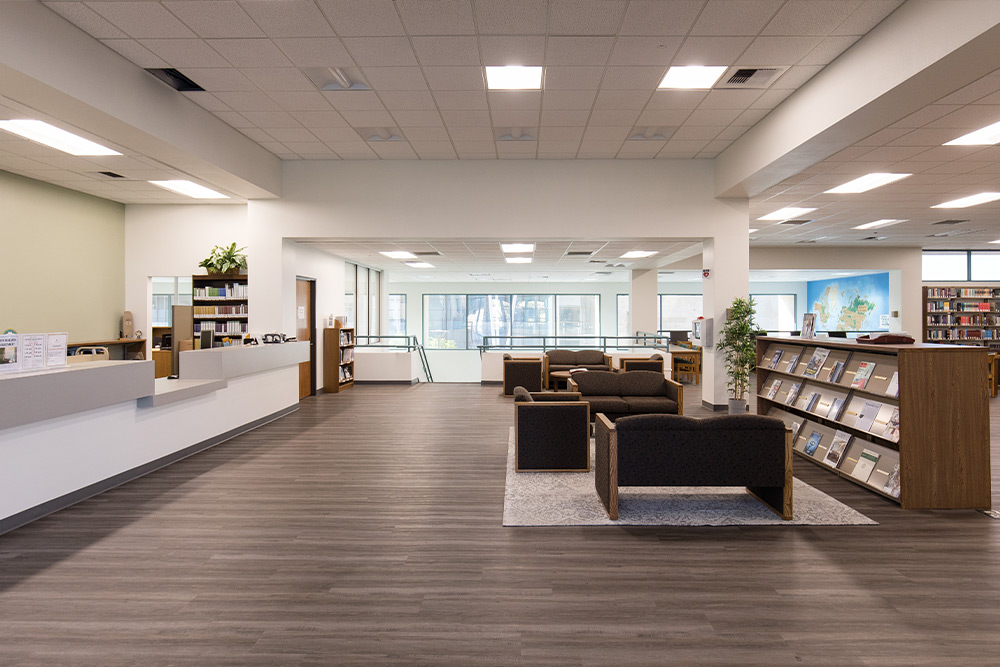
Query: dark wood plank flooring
(366, 529)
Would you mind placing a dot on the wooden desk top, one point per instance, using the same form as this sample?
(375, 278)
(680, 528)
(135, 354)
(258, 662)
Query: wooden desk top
(117, 341)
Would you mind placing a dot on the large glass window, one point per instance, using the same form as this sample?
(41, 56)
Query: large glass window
(945, 266)
(775, 312)
(532, 315)
(578, 315)
(361, 327)
(985, 265)
(374, 301)
(169, 291)
(678, 310)
(444, 321)
(397, 315)
(489, 315)
(622, 313)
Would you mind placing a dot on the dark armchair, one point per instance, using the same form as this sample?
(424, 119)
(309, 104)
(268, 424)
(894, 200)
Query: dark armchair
(551, 432)
(525, 373)
(653, 363)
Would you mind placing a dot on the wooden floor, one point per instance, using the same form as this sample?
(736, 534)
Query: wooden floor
(365, 529)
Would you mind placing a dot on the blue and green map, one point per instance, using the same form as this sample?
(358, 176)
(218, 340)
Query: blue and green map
(855, 303)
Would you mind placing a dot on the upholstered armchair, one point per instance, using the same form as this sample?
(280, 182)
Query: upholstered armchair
(525, 373)
(654, 363)
(551, 432)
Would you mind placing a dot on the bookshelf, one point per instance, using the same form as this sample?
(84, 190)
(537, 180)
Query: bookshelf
(966, 315)
(338, 359)
(917, 430)
(221, 302)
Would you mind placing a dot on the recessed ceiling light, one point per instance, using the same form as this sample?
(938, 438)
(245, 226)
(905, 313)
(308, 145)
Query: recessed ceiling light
(997, 241)
(190, 189)
(986, 136)
(866, 183)
(517, 247)
(519, 260)
(398, 254)
(692, 76)
(420, 265)
(54, 137)
(972, 200)
(786, 213)
(514, 77)
(885, 222)
(754, 230)
(638, 254)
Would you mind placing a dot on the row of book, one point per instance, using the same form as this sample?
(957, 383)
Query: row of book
(347, 355)
(230, 291)
(233, 327)
(959, 307)
(237, 309)
(864, 414)
(961, 334)
(346, 337)
(817, 368)
(962, 292)
(345, 374)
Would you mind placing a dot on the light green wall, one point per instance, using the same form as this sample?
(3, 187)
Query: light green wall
(62, 258)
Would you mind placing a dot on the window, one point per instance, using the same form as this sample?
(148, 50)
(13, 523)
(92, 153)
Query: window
(985, 265)
(374, 301)
(169, 291)
(361, 327)
(397, 315)
(623, 315)
(775, 312)
(678, 310)
(488, 315)
(578, 315)
(532, 315)
(945, 266)
(444, 321)
(350, 287)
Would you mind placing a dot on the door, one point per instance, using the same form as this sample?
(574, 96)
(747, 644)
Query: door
(305, 324)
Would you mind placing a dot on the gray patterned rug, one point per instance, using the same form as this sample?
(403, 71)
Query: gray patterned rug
(569, 499)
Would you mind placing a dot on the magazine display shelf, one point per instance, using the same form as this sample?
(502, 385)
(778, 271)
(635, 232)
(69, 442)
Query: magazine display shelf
(941, 439)
(338, 359)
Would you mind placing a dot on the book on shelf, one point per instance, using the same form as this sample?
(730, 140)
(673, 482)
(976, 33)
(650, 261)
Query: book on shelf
(773, 391)
(833, 375)
(837, 448)
(867, 415)
(893, 389)
(816, 362)
(836, 405)
(865, 465)
(892, 426)
(892, 484)
(861, 376)
(813, 400)
(808, 325)
(775, 358)
(793, 361)
(793, 393)
(812, 444)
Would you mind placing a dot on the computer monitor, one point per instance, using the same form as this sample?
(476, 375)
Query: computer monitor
(207, 339)
(166, 341)
(679, 336)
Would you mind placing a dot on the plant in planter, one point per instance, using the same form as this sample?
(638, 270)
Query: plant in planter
(738, 345)
(225, 259)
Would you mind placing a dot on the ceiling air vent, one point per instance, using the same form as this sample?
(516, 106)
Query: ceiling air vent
(376, 134)
(949, 222)
(579, 253)
(427, 253)
(651, 133)
(336, 78)
(110, 174)
(515, 133)
(751, 77)
(795, 222)
(875, 238)
(175, 79)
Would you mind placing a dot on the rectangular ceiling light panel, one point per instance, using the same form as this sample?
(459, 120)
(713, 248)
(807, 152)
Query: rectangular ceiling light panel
(517, 247)
(518, 260)
(514, 77)
(189, 189)
(972, 200)
(986, 136)
(398, 254)
(885, 222)
(786, 213)
(866, 183)
(638, 254)
(692, 77)
(54, 137)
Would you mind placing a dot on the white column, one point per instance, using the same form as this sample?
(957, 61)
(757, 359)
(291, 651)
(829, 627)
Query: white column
(642, 301)
(727, 259)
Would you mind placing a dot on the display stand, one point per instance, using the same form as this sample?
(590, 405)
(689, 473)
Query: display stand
(910, 422)
(338, 359)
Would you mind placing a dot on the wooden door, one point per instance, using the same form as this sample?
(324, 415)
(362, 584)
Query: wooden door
(304, 326)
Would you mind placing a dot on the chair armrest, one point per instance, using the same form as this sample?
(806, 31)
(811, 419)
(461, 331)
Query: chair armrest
(557, 397)
(609, 362)
(606, 464)
(675, 392)
(572, 386)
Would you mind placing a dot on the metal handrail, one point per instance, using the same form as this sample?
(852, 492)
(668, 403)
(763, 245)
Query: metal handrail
(543, 342)
(410, 344)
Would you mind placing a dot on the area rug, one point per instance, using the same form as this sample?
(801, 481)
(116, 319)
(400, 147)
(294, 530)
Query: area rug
(569, 499)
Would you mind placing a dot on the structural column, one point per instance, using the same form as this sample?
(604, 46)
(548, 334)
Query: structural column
(642, 301)
(726, 257)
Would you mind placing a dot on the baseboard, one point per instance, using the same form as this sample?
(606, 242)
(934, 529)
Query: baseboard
(410, 382)
(713, 407)
(62, 502)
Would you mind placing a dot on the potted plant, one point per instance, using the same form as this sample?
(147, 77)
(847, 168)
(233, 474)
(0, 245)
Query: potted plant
(225, 259)
(738, 345)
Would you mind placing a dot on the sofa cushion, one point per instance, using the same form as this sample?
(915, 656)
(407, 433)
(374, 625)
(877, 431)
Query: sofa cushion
(643, 383)
(598, 383)
(521, 395)
(609, 405)
(660, 422)
(593, 367)
(561, 357)
(561, 367)
(651, 405)
(590, 358)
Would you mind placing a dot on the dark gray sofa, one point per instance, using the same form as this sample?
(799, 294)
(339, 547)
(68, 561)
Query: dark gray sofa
(564, 360)
(628, 393)
(551, 432)
(670, 450)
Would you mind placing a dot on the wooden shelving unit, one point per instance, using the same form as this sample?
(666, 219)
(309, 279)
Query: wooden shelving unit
(932, 420)
(222, 303)
(338, 359)
(963, 315)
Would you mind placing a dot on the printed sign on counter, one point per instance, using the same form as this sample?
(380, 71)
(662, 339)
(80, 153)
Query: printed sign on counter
(32, 351)
(10, 358)
(55, 349)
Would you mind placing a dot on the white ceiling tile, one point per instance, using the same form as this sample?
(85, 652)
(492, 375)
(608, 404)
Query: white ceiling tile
(336, 134)
(257, 134)
(371, 18)
(455, 78)
(311, 150)
(770, 98)
(869, 14)
(732, 133)
(735, 17)
(86, 19)
(207, 100)
(515, 118)
(890, 153)
(928, 137)
(566, 117)
(353, 100)
(465, 135)
(656, 51)
(479, 147)
(968, 118)
(446, 51)
(524, 50)
(136, 52)
(578, 51)
(666, 117)
(437, 17)
(395, 78)
(769, 51)
(561, 134)
(619, 134)
(515, 99)
(750, 117)
(288, 18)
(655, 17)
(319, 119)
(302, 101)
(418, 118)
(289, 134)
(368, 118)
(622, 99)
(572, 78)
(719, 117)
(632, 78)
(677, 99)
(975, 91)
(640, 148)
(407, 100)
(811, 17)
(685, 145)
(432, 149)
(315, 51)
(796, 76)
(568, 99)
(711, 50)
(426, 134)
(248, 101)
(461, 99)
(462, 118)
(266, 119)
(511, 17)
(279, 79)
(225, 79)
(827, 50)
(250, 52)
(394, 150)
(614, 117)
(730, 99)
(354, 150)
(380, 51)
(222, 18)
(517, 147)
(142, 19)
(585, 17)
(690, 133)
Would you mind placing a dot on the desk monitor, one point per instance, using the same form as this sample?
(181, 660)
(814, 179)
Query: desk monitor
(679, 336)
(166, 341)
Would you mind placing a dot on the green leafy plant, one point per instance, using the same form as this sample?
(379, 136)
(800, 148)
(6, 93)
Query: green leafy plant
(225, 259)
(738, 344)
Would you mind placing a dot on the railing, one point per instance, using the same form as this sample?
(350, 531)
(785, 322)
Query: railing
(408, 343)
(544, 343)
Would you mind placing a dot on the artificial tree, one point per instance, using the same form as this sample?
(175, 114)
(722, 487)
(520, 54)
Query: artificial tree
(738, 345)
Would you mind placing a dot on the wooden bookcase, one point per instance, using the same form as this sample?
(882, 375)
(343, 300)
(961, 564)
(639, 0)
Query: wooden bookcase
(942, 422)
(964, 315)
(221, 302)
(338, 359)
